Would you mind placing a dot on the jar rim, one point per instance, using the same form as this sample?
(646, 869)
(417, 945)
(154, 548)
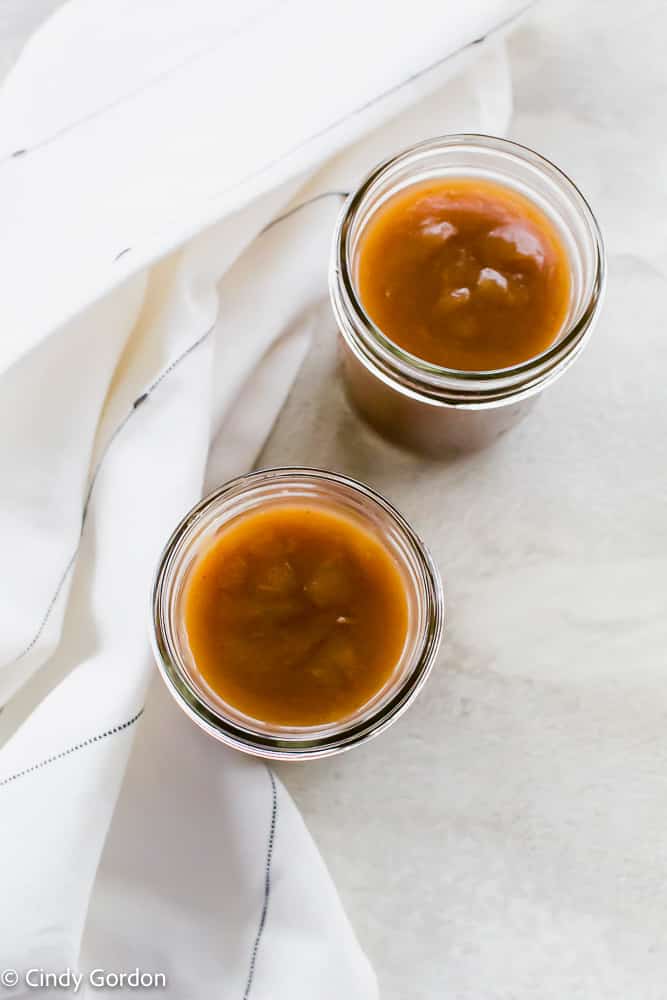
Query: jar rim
(341, 736)
(490, 386)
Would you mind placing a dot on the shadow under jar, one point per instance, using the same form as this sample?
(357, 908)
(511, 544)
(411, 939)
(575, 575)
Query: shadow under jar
(267, 613)
(420, 404)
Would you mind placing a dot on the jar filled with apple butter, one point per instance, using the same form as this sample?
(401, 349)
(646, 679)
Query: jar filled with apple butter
(295, 613)
(466, 275)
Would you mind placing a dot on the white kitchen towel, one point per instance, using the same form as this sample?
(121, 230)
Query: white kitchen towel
(169, 179)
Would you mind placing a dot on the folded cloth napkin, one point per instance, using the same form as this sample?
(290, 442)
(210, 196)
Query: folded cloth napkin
(169, 178)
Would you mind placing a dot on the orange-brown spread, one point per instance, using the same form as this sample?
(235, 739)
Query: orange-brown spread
(296, 615)
(464, 273)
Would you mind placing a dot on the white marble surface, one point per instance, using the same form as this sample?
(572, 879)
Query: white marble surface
(506, 839)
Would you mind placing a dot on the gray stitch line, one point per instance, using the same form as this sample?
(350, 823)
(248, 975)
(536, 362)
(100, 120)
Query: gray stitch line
(48, 611)
(340, 121)
(369, 104)
(280, 218)
(136, 404)
(72, 559)
(77, 746)
(84, 513)
(149, 84)
(93, 479)
(297, 208)
(174, 364)
(267, 883)
(356, 111)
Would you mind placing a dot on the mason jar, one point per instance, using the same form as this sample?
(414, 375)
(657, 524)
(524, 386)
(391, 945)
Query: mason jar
(308, 487)
(445, 410)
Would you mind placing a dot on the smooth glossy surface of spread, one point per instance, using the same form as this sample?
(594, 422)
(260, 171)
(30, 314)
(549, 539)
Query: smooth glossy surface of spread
(296, 615)
(464, 273)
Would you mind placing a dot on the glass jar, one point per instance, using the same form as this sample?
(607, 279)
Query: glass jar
(443, 410)
(311, 487)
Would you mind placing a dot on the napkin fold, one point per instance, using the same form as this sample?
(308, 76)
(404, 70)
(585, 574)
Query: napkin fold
(169, 179)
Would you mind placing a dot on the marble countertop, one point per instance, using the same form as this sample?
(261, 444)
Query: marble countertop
(506, 839)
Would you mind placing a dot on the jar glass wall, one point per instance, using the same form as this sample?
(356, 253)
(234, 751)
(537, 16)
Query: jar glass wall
(260, 491)
(408, 399)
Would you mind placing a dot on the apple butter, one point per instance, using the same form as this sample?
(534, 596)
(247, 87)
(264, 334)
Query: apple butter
(464, 273)
(296, 615)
